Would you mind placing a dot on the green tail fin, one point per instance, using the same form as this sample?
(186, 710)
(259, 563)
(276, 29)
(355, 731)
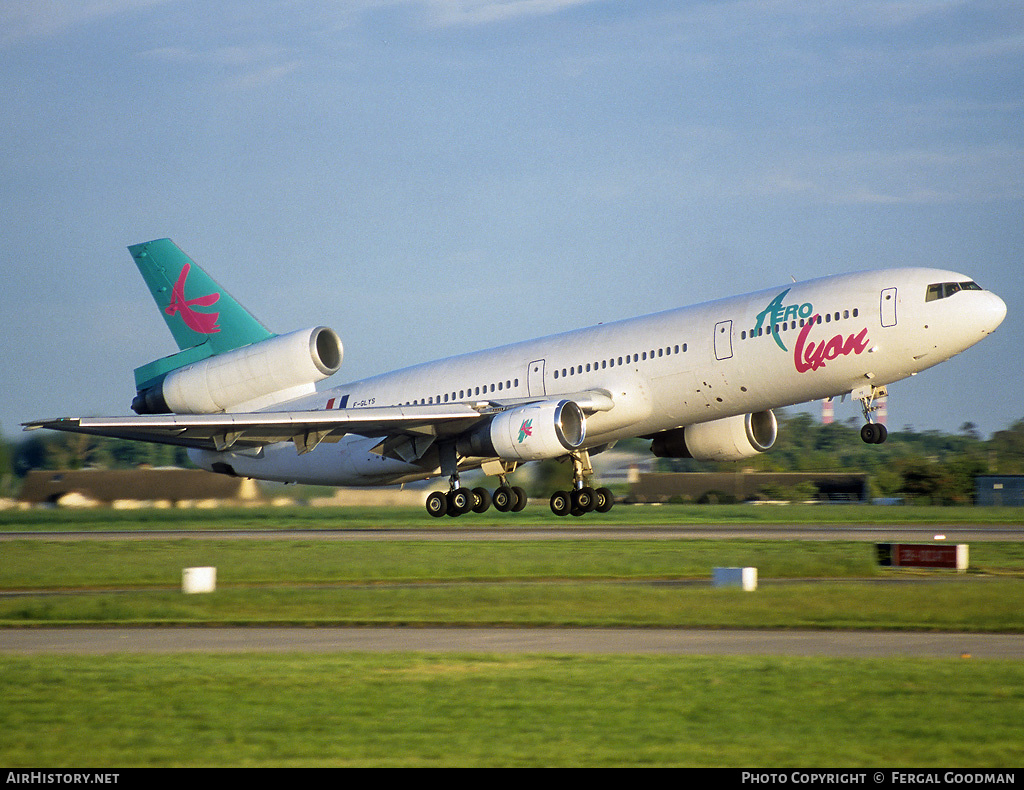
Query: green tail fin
(203, 318)
(196, 309)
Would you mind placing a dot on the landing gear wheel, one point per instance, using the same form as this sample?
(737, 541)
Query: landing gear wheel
(481, 500)
(460, 501)
(503, 499)
(520, 499)
(605, 500)
(437, 504)
(874, 433)
(584, 499)
(561, 503)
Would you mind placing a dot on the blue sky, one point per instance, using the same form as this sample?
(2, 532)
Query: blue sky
(435, 176)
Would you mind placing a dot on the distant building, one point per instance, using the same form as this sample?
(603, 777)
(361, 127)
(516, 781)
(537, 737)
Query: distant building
(133, 488)
(999, 490)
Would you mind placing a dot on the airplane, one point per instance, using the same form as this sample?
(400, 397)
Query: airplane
(698, 382)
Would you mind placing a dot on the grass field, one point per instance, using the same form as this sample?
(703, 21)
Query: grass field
(598, 582)
(465, 710)
(486, 710)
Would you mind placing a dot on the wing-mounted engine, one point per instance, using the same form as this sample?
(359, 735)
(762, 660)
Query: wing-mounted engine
(248, 378)
(730, 439)
(531, 432)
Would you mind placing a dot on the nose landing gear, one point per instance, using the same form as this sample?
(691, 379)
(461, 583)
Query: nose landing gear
(871, 432)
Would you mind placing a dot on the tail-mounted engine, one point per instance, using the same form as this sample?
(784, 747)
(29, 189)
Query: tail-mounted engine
(248, 378)
(548, 429)
(730, 439)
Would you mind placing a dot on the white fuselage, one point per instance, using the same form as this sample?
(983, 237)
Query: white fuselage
(739, 355)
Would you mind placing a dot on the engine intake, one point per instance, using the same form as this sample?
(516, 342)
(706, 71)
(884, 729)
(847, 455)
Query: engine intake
(730, 439)
(248, 378)
(548, 429)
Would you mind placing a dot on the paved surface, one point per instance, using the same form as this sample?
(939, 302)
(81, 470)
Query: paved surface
(512, 640)
(951, 533)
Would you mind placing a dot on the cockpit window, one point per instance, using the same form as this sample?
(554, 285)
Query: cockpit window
(945, 290)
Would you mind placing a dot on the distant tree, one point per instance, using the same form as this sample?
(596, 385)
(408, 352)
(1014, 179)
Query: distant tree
(6, 467)
(1007, 449)
(970, 430)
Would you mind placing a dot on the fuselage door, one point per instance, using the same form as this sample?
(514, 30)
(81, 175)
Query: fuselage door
(889, 307)
(723, 340)
(535, 378)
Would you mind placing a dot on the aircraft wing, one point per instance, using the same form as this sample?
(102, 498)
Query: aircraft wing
(241, 431)
(248, 431)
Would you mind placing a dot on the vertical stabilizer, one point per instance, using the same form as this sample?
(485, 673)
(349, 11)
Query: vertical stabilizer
(197, 310)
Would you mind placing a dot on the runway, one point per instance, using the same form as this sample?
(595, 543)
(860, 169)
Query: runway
(578, 641)
(951, 533)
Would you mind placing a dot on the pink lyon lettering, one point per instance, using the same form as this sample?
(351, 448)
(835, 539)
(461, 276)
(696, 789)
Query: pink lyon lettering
(809, 356)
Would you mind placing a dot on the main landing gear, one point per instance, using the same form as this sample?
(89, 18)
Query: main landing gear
(872, 432)
(583, 498)
(459, 501)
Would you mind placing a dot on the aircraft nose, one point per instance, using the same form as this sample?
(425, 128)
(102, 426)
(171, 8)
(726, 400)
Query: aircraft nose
(995, 312)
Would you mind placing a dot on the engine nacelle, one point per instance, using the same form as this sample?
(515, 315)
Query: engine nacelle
(528, 433)
(729, 439)
(248, 378)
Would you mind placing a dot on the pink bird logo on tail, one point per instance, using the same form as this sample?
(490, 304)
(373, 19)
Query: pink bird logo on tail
(205, 323)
